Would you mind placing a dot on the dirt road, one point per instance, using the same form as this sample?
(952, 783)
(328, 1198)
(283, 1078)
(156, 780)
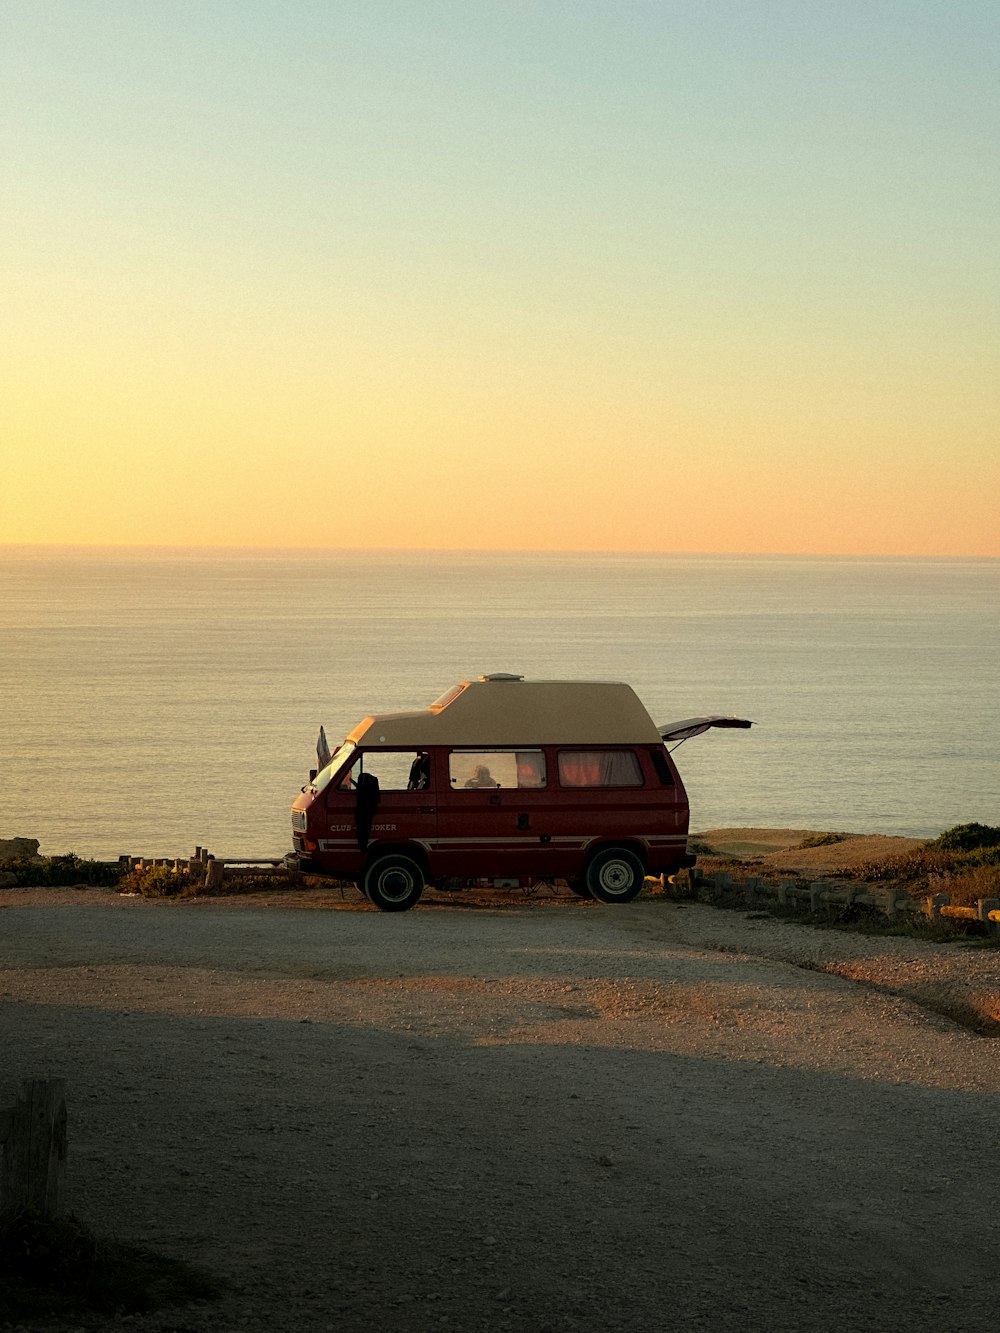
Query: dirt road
(563, 1117)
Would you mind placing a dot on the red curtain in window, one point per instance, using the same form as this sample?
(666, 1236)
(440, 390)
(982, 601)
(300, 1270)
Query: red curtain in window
(599, 768)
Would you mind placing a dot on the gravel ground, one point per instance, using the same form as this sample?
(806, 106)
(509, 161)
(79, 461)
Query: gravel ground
(545, 1117)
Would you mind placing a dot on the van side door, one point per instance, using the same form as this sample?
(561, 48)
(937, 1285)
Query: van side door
(406, 811)
(494, 816)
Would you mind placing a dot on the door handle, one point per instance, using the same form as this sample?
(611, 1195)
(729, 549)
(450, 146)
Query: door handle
(425, 810)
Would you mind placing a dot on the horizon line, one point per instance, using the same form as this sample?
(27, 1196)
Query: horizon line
(481, 550)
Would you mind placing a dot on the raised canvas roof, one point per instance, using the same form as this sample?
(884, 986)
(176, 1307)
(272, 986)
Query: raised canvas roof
(508, 710)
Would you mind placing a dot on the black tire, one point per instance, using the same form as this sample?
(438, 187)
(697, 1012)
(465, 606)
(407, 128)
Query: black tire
(614, 875)
(393, 882)
(578, 887)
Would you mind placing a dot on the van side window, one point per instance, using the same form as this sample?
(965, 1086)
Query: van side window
(496, 768)
(599, 768)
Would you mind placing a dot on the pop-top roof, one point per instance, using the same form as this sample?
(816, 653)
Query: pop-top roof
(508, 710)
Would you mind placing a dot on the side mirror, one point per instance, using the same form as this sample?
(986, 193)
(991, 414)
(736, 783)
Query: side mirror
(312, 774)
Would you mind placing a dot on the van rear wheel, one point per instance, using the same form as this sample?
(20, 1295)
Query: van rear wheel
(614, 875)
(393, 883)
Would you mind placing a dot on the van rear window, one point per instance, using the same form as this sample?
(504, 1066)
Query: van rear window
(662, 767)
(599, 768)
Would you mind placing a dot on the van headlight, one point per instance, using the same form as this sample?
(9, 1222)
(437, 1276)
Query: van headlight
(299, 820)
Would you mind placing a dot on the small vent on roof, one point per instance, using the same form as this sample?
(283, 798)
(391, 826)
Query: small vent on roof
(501, 675)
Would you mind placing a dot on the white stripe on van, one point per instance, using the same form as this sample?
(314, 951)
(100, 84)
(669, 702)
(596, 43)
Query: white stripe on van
(565, 842)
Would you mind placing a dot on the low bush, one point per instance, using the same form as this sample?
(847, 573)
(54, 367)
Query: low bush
(55, 871)
(968, 838)
(157, 882)
(821, 840)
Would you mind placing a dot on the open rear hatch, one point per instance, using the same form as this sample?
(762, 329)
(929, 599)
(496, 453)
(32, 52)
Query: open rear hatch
(694, 726)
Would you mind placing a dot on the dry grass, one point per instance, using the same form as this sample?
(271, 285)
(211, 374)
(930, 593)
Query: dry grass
(967, 886)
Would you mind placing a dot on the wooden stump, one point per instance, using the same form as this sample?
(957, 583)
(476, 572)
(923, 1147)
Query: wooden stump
(33, 1170)
(986, 906)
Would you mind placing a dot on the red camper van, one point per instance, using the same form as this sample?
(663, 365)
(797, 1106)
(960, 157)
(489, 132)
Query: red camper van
(506, 780)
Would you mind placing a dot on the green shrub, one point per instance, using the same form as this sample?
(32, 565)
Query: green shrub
(967, 838)
(821, 840)
(982, 856)
(53, 871)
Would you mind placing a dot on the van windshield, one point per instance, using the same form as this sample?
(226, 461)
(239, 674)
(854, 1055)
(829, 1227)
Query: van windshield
(338, 761)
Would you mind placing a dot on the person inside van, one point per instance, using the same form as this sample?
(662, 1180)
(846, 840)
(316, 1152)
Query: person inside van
(420, 773)
(481, 778)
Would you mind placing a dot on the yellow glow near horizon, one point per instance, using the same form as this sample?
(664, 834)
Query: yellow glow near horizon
(623, 300)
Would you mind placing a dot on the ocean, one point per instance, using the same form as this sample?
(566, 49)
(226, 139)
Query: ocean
(155, 699)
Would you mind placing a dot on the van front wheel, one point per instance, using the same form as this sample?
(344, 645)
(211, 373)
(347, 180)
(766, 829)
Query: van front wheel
(393, 883)
(614, 875)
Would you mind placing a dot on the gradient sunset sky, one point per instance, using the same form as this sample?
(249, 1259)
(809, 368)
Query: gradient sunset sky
(680, 276)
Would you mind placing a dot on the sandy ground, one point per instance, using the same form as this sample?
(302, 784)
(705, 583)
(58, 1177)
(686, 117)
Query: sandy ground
(538, 1116)
(781, 849)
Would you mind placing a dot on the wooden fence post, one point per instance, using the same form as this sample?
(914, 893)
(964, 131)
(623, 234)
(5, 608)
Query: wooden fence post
(986, 906)
(751, 885)
(33, 1166)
